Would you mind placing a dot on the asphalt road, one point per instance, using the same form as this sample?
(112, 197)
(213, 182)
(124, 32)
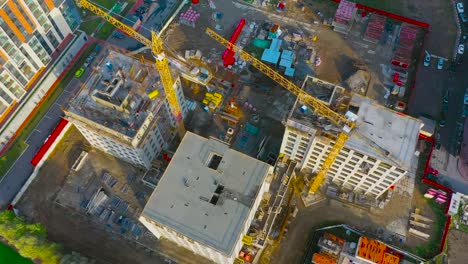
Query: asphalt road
(19, 173)
(427, 97)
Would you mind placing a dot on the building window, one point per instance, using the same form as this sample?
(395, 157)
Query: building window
(358, 154)
(385, 165)
(292, 134)
(400, 170)
(320, 145)
(56, 27)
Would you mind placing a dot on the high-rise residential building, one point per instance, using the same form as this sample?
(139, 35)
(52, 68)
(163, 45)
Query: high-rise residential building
(380, 151)
(122, 110)
(30, 32)
(207, 198)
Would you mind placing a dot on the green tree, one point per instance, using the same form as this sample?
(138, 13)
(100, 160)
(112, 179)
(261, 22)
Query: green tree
(31, 241)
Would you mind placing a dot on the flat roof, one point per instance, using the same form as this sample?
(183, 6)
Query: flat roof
(384, 133)
(380, 132)
(208, 205)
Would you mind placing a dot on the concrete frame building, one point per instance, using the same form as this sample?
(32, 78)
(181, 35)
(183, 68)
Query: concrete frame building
(30, 32)
(207, 198)
(378, 154)
(115, 114)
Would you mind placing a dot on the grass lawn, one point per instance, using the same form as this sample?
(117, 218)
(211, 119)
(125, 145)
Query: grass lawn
(19, 145)
(90, 25)
(9, 256)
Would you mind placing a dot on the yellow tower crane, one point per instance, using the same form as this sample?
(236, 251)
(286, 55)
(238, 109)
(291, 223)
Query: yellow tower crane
(157, 47)
(318, 106)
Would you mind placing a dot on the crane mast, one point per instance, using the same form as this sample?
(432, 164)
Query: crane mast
(318, 106)
(162, 64)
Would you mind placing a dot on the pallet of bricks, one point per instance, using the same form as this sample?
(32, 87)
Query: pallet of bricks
(375, 28)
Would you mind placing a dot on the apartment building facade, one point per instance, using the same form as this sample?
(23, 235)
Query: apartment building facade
(352, 169)
(30, 32)
(371, 162)
(115, 114)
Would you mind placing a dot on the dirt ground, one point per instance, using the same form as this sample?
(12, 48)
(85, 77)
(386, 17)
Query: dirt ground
(292, 249)
(438, 13)
(457, 244)
(78, 232)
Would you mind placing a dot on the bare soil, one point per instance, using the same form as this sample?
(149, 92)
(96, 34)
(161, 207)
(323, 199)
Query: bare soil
(79, 232)
(457, 244)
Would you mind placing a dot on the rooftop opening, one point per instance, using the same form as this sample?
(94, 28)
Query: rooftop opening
(215, 161)
(219, 189)
(214, 199)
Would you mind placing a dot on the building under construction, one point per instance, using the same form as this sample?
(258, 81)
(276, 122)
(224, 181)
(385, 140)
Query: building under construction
(207, 199)
(378, 153)
(122, 110)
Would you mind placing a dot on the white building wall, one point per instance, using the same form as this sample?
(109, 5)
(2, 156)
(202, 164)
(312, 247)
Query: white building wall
(351, 169)
(60, 21)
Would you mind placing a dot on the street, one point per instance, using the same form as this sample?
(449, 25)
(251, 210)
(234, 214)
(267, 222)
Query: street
(427, 99)
(19, 173)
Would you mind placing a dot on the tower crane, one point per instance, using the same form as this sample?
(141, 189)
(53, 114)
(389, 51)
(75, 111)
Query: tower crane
(159, 52)
(346, 124)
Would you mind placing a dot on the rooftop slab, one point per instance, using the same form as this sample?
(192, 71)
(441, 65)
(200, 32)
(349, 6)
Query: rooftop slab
(380, 132)
(116, 94)
(207, 192)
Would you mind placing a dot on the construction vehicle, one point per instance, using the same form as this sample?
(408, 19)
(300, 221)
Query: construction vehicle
(160, 52)
(345, 122)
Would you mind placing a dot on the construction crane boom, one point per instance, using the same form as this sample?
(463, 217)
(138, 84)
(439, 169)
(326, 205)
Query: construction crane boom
(157, 47)
(318, 106)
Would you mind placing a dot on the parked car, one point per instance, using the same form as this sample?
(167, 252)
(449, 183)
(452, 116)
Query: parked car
(440, 64)
(461, 49)
(442, 121)
(446, 97)
(465, 100)
(427, 60)
(463, 18)
(79, 72)
(460, 8)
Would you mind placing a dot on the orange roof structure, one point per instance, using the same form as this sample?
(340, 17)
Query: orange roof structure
(376, 252)
(322, 259)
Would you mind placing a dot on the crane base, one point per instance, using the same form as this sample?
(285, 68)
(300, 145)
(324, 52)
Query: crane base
(311, 199)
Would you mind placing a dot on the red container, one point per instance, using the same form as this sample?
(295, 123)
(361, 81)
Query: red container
(194, 2)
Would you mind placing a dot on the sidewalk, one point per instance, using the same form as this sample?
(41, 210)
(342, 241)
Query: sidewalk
(447, 165)
(11, 127)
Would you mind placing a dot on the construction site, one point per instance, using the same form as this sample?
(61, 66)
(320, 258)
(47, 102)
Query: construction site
(318, 109)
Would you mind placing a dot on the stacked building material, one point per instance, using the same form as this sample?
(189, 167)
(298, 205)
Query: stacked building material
(344, 16)
(375, 28)
(407, 36)
(189, 17)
